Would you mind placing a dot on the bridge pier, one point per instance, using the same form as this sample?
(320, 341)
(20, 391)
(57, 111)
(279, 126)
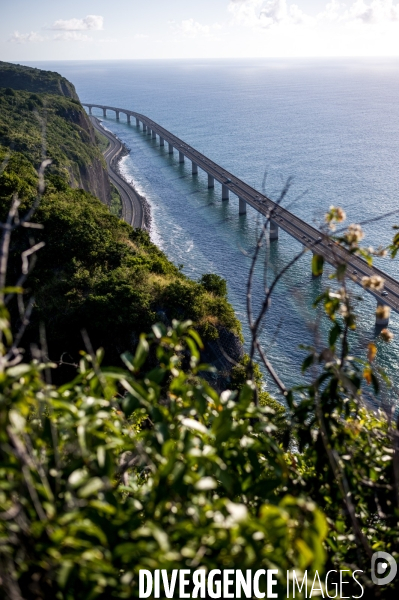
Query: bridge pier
(170, 148)
(144, 127)
(242, 207)
(225, 192)
(194, 168)
(273, 234)
(128, 118)
(148, 131)
(211, 182)
(161, 141)
(137, 123)
(90, 110)
(181, 157)
(104, 112)
(382, 314)
(153, 135)
(117, 115)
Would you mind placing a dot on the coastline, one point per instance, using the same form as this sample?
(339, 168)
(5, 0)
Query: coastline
(143, 200)
(130, 197)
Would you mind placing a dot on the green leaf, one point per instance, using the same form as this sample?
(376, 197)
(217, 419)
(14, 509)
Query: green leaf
(142, 351)
(340, 271)
(317, 265)
(93, 486)
(335, 331)
(309, 360)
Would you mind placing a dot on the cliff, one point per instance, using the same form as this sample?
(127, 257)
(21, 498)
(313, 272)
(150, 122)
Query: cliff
(29, 79)
(54, 119)
(95, 272)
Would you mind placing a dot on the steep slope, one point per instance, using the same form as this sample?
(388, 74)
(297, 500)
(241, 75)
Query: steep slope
(95, 272)
(19, 77)
(59, 126)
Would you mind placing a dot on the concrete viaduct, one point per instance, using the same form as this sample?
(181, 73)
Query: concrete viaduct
(304, 233)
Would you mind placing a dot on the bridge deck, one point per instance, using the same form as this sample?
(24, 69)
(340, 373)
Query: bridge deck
(306, 234)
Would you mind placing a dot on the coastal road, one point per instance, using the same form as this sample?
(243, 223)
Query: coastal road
(306, 234)
(132, 208)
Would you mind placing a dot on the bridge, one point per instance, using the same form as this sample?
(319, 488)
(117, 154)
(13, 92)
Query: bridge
(310, 237)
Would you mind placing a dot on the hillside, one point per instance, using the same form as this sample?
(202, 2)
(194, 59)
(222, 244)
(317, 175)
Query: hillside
(95, 272)
(19, 77)
(27, 121)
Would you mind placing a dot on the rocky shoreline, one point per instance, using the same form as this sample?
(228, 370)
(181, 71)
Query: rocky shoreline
(144, 202)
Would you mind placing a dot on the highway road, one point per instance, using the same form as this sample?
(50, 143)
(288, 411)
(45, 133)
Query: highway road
(132, 209)
(306, 234)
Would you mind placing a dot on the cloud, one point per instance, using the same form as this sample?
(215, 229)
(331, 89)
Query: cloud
(90, 22)
(72, 36)
(268, 14)
(23, 38)
(190, 28)
(331, 11)
(374, 12)
(272, 13)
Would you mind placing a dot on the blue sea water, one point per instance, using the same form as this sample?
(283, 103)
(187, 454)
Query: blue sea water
(332, 125)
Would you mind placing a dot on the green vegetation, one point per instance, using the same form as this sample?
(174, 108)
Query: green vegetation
(102, 141)
(147, 465)
(19, 77)
(95, 272)
(116, 202)
(36, 123)
(103, 497)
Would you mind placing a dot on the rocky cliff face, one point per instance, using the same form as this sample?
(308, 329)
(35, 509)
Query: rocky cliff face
(90, 175)
(33, 101)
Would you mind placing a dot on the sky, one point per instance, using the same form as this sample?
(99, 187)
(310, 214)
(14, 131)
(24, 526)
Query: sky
(159, 29)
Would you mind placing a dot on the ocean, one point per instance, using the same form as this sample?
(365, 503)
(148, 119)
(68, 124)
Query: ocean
(330, 125)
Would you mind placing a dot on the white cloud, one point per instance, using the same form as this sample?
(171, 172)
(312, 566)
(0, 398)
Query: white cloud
(268, 14)
(23, 38)
(331, 11)
(374, 12)
(272, 13)
(190, 28)
(90, 22)
(72, 36)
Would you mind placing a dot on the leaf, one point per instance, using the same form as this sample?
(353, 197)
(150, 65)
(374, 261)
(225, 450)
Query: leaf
(206, 483)
(141, 353)
(371, 352)
(307, 362)
(19, 370)
(13, 290)
(340, 271)
(192, 424)
(159, 330)
(93, 486)
(17, 420)
(375, 382)
(335, 331)
(103, 507)
(367, 374)
(193, 348)
(317, 265)
(196, 338)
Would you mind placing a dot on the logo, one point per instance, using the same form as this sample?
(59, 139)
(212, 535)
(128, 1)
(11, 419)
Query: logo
(383, 568)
